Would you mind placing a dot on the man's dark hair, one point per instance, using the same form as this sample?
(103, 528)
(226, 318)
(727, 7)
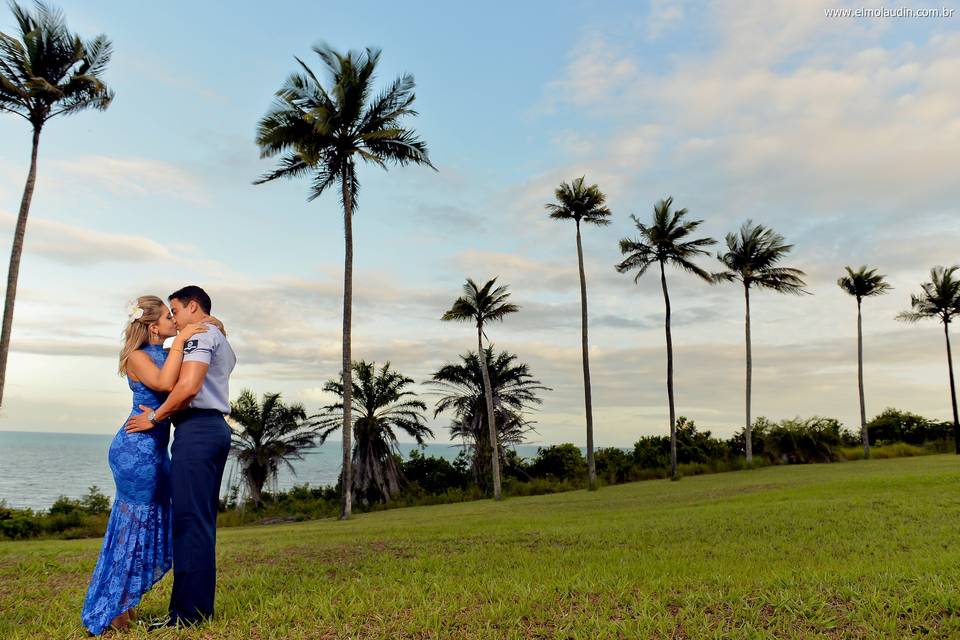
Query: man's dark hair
(192, 293)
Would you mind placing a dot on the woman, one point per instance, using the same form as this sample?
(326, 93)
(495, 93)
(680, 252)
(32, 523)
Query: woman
(136, 550)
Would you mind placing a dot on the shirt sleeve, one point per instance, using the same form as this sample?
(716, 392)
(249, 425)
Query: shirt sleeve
(200, 347)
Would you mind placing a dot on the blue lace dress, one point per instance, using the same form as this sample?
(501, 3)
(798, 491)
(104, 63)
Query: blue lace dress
(136, 550)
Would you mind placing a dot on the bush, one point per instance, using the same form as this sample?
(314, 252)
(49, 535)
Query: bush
(898, 450)
(613, 464)
(20, 526)
(737, 444)
(893, 425)
(652, 452)
(801, 441)
(693, 446)
(92, 504)
(434, 475)
(540, 486)
(95, 502)
(559, 462)
(65, 506)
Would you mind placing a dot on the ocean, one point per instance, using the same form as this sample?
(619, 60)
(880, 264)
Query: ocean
(36, 468)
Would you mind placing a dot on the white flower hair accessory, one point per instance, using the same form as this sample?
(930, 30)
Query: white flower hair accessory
(134, 312)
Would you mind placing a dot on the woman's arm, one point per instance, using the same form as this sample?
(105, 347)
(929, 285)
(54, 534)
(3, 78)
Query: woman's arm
(187, 387)
(140, 367)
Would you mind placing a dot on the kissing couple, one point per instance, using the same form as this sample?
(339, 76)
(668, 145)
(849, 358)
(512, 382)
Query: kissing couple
(165, 510)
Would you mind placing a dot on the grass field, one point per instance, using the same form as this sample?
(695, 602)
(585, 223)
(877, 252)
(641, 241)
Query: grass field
(847, 550)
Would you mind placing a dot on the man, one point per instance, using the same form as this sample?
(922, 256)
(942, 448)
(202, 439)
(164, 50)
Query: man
(197, 406)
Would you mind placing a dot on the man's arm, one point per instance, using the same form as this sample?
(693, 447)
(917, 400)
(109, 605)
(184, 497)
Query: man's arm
(188, 386)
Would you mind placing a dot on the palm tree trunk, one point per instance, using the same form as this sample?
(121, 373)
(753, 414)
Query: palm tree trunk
(747, 432)
(673, 412)
(346, 489)
(953, 390)
(16, 250)
(255, 481)
(491, 422)
(863, 406)
(587, 399)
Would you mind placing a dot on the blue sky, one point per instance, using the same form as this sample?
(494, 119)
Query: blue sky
(842, 134)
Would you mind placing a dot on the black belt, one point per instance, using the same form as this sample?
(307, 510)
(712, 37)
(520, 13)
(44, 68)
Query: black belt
(196, 413)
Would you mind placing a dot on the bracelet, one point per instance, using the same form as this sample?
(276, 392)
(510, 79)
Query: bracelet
(180, 349)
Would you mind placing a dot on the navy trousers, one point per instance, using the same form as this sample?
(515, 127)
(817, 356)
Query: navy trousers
(200, 448)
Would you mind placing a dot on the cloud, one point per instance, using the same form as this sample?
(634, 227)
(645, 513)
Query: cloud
(133, 177)
(79, 246)
(786, 104)
(448, 217)
(58, 347)
(597, 73)
(663, 15)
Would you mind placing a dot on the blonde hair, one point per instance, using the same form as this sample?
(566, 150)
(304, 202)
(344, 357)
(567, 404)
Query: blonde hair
(136, 333)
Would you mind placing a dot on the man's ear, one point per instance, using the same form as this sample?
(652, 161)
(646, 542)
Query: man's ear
(193, 306)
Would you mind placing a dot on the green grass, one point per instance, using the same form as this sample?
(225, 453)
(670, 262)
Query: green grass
(855, 550)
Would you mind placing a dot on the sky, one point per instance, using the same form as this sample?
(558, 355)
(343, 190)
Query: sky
(842, 134)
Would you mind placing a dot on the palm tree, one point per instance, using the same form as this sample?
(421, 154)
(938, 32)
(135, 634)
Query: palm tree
(862, 283)
(666, 241)
(322, 132)
(482, 305)
(751, 258)
(581, 203)
(270, 433)
(45, 71)
(463, 392)
(940, 298)
(383, 406)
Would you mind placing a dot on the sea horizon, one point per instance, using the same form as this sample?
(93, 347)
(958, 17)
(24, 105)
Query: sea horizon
(41, 466)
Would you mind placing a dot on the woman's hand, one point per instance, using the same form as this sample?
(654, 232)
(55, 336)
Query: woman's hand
(191, 330)
(215, 322)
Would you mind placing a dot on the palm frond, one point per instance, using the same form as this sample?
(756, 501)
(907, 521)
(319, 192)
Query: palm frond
(328, 122)
(576, 201)
(753, 256)
(939, 298)
(48, 71)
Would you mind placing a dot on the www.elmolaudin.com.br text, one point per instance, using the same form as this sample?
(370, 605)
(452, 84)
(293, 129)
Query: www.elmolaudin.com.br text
(887, 12)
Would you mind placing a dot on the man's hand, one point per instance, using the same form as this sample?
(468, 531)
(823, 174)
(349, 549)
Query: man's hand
(139, 422)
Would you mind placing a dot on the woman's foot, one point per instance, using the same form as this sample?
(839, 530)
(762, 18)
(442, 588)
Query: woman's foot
(132, 612)
(121, 622)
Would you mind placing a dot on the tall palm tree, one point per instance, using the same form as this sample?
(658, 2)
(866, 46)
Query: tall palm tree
(940, 298)
(581, 203)
(383, 406)
(481, 305)
(862, 283)
(270, 434)
(45, 71)
(322, 131)
(752, 258)
(462, 391)
(666, 241)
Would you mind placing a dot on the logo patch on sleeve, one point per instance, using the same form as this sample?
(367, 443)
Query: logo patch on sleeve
(191, 346)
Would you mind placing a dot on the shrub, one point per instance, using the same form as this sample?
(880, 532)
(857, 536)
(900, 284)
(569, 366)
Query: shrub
(613, 464)
(737, 444)
(559, 462)
(693, 446)
(95, 502)
(20, 526)
(65, 506)
(802, 441)
(652, 452)
(893, 425)
(435, 475)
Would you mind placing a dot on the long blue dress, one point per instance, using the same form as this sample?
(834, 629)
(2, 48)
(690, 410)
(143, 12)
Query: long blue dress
(136, 550)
